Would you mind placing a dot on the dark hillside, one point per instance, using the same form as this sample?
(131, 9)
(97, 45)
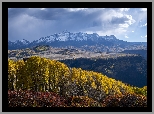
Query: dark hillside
(143, 53)
(129, 69)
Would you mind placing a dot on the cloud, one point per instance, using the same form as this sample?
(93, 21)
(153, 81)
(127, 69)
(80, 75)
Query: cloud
(117, 20)
(132, 31)
(29, 28)
(144, 36)
(124, 9)
(143, 25)
(143, 9)
(124, 25)
(42, 8)
(126, 36)
(139, 16)
(75, 9)
(130, 19)
(33, 23)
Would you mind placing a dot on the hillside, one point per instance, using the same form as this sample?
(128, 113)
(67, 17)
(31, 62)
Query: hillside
(41, 74)
(111, 64)
(143, 53)
(131, 69)
(51, 52)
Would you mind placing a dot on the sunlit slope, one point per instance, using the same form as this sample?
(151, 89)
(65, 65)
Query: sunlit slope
(41, 74)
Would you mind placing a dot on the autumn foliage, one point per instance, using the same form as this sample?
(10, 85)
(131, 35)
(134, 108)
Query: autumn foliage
(40, 74)
(125, 100)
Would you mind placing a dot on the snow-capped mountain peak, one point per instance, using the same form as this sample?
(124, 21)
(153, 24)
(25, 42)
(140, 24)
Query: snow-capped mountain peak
(25, 41)
(66, 36)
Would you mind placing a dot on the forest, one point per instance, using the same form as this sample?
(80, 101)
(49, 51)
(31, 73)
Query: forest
(42, 82)
(129, 69)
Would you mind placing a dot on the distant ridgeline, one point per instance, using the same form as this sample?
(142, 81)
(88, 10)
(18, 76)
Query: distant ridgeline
(72, 39)
(140, 52)
(128, 69)
(16, 54)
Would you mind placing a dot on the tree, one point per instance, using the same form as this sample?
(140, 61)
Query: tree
(19, 66)
(11, 74)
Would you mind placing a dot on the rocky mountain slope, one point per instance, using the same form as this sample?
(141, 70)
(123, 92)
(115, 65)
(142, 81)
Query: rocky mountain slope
(66, 39)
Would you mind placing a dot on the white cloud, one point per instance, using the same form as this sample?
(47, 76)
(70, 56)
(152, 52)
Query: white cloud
(117, 31)
(144, 25)
(118, 18)
(131, 20)
(109, 14)
(114, 22)
(75, 9)
(104, 21)
(124, 9)
(144, 36)
(124, 25)
(42, 9)
(143, 9)
(126, 36)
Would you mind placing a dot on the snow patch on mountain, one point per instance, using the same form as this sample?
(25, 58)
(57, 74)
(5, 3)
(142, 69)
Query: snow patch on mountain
(65, 36)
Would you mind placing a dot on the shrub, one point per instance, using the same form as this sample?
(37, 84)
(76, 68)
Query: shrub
(34, 99)
(126, 100)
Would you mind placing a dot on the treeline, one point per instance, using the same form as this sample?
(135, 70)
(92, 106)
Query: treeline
(41, 74)
(41, 48)
(20, 53)
(141, 52)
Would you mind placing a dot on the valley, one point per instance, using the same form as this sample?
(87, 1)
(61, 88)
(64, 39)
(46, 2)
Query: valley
(118, 59)
(126, 67)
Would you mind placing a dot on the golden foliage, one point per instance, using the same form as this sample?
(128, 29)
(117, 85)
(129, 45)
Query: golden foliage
(41, 74)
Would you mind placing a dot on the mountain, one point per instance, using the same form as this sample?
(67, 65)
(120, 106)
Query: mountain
(18, 44)
(66, 39)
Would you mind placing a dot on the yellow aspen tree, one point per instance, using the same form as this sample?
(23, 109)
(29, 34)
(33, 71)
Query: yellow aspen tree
(11, 74)
(43, 72)
(31, 73)
(52, 75)
(19, 65)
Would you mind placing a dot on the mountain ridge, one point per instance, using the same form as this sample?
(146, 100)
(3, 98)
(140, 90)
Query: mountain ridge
(67, 38)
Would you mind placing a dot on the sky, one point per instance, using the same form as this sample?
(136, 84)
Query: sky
(128, 24)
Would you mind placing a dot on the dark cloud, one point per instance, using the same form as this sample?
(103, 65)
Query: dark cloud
(33, 23)
(117, 20)
(48, 14)
(14, 12)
